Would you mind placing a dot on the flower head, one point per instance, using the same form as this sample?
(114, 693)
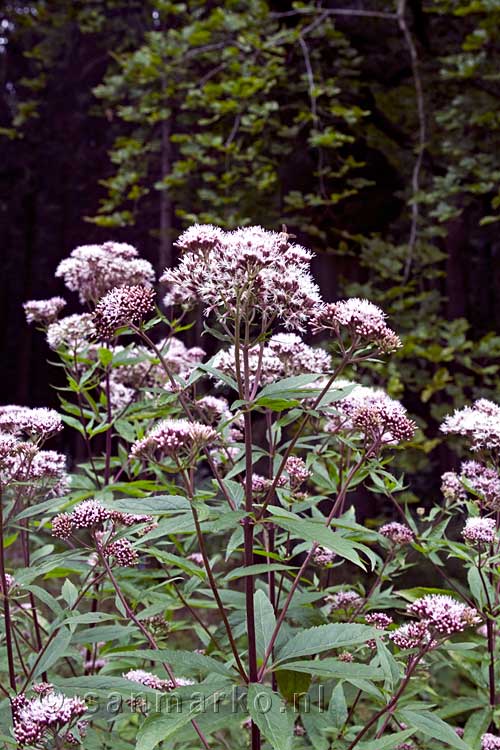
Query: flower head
(413, 635)
(74, 332)
(483, 481)
(490, 742)
(345, 600)
(122, 306)
(379, 619)
(480, 423)
(43, 311)
(36, 718)
(93, 270)
(444, 614)
(451, 487)
(397, 533)
(39, 423)
(362, 319)
(174, 438)
(374, 414)
(247, 269)
(479, 531)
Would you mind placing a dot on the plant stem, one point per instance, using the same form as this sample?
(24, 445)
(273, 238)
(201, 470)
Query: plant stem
(152, 642)
(6, 604)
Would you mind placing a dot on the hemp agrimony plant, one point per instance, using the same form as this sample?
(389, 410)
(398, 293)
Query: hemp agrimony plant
(200, 579)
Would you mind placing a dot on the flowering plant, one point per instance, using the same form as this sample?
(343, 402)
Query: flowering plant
(206, 551)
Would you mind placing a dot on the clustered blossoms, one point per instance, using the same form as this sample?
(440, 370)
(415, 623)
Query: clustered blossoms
(413, 635)
(297, 471)
(248, 269)
(43, 311)
(444, 614)
(397, 533)
(39, 423)
(480, 480)
(284, 355)
(103, 522)
(22, 432)
(373, 413)
(490, 742)
(47, 715)
(479, 531)
(74, 333)
(480, 423)
(379, 619)
(323, 556)
(93, 270)
(345, 600)
(174, 438)
(150, 680)
(122, 306)
(364, 321)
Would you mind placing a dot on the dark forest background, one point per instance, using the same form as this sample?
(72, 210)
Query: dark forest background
(371, 129)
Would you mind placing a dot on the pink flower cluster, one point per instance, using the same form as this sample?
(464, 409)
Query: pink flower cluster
(74, 332)
(284, 355)
(364, 322)
(249, 268)
(345, 600)
(479, 531)
(122, 306)
(297, 471)
(323, 556)
(372, 413)
(379, 619)
(451, 487)
(480, 423)
(413, 635)
(150, 680)
(443, 614)
(490, 742)
(397, 533)
(48, 714)
(43, 311)
(176, 438)
(39, 423)
(93, 270)
(481, 481)
(92, 515)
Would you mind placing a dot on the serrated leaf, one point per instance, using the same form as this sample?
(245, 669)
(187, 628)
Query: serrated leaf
(274, 721)
(313, 641)
(265, 622)
(431, 725)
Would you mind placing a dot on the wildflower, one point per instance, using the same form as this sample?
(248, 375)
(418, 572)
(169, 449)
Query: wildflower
(372, 413)
(443, 613)
(323, 556)
(459, 731)
(122, 306)
(362, 319)
(62, 526)
(10, 582)
(346, 656)
(297, 471)
(480, 423)
(74, 332)
(40, 423)
(344, 600)
(43, 311)
(299, 730)
(123, 552)
(284, 355)
(93, 270)
(175, 438)
(490, 742)
(451, 487)
(158, 626)
(479, 531)
(36, 718)
(379, 619)
(50, 467)
(196, 558)
(148, 679)
(397, 533)
(483, 481)
(413, 635)
(248, 269)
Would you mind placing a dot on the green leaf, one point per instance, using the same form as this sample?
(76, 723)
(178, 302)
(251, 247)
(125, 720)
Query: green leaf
(69, 592)
(184, 661)
(431, 725)
(267, 711)
(313, 641)
(265, 622)
(155, 505)
(387, 743)
(337, 707)
(53, 652)
(292, 685)
(317, 532)
(334, 668)
(477, 724)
